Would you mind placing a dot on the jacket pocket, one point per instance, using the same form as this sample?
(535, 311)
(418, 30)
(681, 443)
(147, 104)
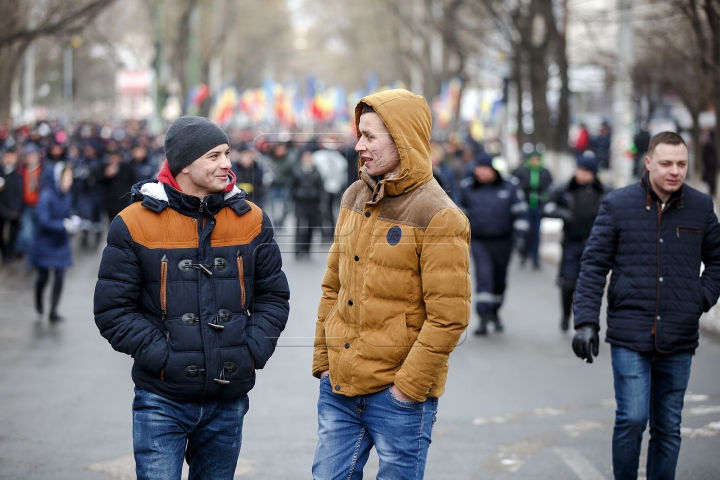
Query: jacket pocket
(616, 293)
(163, 286)
(390, 344)
(238, 363)
(681, 231)
(700, 292)
(233, 331)
(184, 368)
(398, 333)
(335, 328)
(167, 339)
(241, 279)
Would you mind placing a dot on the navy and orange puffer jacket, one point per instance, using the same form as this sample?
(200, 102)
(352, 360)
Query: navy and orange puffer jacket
(193, 291)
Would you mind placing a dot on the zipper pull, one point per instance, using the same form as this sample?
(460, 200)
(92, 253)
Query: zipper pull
(201, 206)
(678, 231)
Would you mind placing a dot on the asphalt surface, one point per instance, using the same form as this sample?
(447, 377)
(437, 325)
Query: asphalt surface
(518, 405)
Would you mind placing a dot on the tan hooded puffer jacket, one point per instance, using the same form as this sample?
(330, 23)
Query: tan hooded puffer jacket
(396, 292)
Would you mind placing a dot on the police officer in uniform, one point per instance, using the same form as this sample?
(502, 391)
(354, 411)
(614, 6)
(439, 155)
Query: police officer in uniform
(498, 215)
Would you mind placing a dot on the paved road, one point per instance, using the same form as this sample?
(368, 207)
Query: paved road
(518, 405)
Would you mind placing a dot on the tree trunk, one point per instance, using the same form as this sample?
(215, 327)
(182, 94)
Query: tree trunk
(538, 89)
(696, 166)
(714, 19)
(563, 121)
(182, 51)
(10, 59)
(517, 65)
(14, 17)
(536, 35)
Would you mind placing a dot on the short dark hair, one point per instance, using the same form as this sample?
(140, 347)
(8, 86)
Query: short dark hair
(367, 109)
(670, 138)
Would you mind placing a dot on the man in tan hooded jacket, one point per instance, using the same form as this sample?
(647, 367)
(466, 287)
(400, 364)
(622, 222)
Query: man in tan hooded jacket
(396, 299)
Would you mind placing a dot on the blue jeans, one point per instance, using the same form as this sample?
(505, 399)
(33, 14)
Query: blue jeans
(648, 386)
(207, 434)
(27, 233)
(348, 427)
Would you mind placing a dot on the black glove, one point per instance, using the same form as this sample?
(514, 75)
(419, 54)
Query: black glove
(586, 342)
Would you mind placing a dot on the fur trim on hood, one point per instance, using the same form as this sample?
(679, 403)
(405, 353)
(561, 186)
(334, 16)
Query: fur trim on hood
(157, 191)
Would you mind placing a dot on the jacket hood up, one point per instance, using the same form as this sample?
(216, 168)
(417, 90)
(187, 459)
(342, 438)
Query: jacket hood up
(407, 118)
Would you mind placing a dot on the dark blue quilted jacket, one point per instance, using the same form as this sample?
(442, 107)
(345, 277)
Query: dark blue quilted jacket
(495, 209)
(193, 291)
(657, 291)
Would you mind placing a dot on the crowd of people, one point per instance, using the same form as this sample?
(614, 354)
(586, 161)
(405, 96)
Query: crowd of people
(298, 178)
(419, 211)
(54, 185)
(292, 176)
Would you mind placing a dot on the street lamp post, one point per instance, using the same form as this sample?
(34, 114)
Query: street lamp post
(68, 79)
(623, 116)
(68, 75)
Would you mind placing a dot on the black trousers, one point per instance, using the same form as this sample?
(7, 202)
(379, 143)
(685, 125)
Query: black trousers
(331, 206)
(8, 241)
(308, 219)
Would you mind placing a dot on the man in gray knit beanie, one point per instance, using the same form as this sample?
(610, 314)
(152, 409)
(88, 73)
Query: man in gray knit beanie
(197, 154)
(182, 289)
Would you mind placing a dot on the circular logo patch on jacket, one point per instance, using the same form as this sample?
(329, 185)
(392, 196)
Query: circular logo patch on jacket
(394, 235)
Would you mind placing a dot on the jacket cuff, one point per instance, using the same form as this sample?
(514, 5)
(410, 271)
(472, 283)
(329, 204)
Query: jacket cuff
(708, 301)
(256, 354)
(594, 325)
(317, 371)
(413, 387)
(320, 364)
(154, 358)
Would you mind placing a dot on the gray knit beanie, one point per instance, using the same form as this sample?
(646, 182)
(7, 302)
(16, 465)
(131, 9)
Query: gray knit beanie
(189, 138)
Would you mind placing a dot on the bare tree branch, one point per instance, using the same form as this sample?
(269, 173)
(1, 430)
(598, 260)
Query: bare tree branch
(86, 13)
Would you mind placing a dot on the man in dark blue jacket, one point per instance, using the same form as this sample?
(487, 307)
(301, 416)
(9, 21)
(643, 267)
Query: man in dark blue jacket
(498, 213)
(654, 236)
(191, 286)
